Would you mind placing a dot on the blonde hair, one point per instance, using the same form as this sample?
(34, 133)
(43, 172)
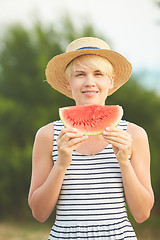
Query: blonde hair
(93, 61)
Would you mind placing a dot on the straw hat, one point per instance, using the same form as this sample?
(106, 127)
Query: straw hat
(55, 71)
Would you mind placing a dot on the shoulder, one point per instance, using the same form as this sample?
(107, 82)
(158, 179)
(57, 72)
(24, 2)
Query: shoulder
(44, 138)
(46, 131)
(136, 131)
(140, 144)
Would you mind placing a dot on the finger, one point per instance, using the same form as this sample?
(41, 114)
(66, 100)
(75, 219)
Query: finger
(116, 130)
(118, 137)
(75, 141)
(66, 130)
(66, 138)
(123, 139)
(118, 133)
(119, 145)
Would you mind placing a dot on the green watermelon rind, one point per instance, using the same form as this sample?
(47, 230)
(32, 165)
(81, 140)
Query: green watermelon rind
(93, 133)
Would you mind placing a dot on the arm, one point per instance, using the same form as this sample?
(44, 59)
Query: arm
(47, 178)
(135, 173)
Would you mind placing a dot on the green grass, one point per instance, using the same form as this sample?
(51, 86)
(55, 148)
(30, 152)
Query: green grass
(149, 230)
(23, 231)
(10, 230)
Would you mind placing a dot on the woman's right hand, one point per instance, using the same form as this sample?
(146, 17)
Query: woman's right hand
(68, 140)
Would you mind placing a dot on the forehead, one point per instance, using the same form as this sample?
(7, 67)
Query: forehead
(80, 64)
(78, 68)
(87, 62)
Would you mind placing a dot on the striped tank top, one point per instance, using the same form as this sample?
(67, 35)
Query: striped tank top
(91, 203)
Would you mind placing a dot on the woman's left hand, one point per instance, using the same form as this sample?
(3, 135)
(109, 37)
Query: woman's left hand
(121, 142)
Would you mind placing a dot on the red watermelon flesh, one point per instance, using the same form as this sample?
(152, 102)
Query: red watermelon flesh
(91, 119)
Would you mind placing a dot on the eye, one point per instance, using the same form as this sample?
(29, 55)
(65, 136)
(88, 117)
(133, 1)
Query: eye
(98, 73)
(80, 75)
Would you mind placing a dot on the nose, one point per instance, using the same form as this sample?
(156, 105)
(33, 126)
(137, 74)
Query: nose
(89, 81)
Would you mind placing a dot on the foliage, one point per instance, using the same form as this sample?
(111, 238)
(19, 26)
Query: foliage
(27, 102)
(142, 108)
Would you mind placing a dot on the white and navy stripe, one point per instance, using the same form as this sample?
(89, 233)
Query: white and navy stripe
(91, 203)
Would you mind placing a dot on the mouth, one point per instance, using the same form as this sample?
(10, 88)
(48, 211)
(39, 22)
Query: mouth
(89, 92)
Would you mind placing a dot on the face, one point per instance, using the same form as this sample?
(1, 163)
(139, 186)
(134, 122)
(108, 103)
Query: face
(89, 86)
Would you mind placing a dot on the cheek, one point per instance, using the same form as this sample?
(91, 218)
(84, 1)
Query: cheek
(105, 84)
(109, 83)
(76, 84)
(74, 87)
(104, 87)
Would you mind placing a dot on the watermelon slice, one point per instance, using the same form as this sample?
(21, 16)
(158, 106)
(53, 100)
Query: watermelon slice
(91, 119)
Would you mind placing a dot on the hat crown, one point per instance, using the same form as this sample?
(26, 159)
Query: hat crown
(55, 71)
(87, 42)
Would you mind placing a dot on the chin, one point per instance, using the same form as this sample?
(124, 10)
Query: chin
(90, 102)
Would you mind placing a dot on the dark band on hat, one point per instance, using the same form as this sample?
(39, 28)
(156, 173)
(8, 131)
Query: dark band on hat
(87, 48)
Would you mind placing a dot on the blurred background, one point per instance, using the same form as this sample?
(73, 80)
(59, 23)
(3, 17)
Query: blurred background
(31, 33)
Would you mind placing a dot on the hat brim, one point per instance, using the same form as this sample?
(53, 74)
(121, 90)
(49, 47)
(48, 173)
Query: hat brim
(55, 71)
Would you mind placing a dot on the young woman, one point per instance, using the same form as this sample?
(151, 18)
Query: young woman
(90, 178)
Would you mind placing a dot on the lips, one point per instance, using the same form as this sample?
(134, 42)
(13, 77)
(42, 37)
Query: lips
(89, 92)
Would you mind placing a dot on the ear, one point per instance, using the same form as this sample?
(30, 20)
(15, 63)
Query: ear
(111, 82)
(68, 85)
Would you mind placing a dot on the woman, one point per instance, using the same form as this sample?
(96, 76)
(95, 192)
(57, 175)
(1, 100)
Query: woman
(89, 178)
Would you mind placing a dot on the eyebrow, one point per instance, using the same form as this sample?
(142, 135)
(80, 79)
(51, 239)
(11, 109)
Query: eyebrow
(79, 71)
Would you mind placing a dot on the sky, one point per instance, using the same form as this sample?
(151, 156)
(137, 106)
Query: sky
(132, 26)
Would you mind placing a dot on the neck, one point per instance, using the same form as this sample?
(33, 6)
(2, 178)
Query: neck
(94, 138)
(92, 145)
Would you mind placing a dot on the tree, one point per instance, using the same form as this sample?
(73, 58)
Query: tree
(27, 102)
(157, 2)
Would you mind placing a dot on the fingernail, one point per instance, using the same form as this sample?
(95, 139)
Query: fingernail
(75, 129)
(80, 134)
(107, 128)
(85, 136)
(104, 132)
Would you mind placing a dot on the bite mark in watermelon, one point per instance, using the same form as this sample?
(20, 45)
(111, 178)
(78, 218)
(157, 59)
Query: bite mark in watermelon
(91, 119)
